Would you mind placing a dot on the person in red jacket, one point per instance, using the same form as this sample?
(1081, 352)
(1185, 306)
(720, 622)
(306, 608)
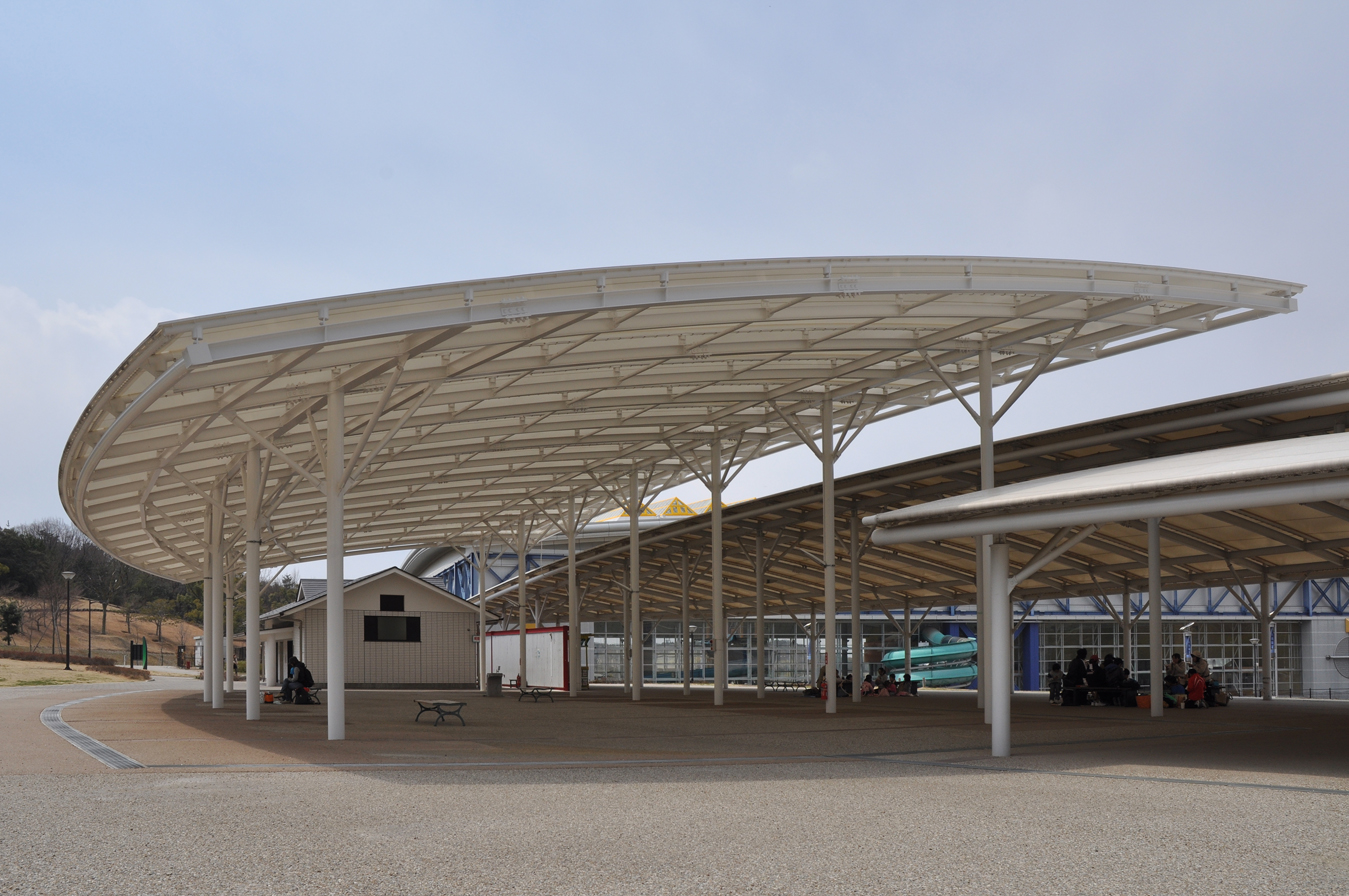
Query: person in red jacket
(1194, 689)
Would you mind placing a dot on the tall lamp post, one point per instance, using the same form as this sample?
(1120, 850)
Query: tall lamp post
(67, 575)
(89, 648)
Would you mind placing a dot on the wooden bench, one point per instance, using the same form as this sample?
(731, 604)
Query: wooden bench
(441, 708)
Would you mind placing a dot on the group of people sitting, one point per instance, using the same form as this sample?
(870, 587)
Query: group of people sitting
(887, 686)
(880, 685)
(1191, 687)
(1091, 681)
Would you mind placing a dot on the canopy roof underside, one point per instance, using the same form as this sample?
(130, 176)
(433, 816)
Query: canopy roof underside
(1222, 549)
(478, 406)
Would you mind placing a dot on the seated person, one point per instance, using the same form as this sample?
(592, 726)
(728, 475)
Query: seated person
(1095, 677)
(1055, 683)
(299, 680)
(867, 686)
(1177, 668)
(845, 686)
(1173, 691)
(1194, 689)
(891, 686)
(1200, 665)
(910, 686)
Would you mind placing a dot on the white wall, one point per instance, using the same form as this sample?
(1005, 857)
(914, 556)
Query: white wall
(546, 659)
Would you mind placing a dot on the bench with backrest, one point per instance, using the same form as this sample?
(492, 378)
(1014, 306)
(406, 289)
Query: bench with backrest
(442, 708)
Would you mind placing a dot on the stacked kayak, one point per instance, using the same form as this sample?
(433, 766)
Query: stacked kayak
(943, 662)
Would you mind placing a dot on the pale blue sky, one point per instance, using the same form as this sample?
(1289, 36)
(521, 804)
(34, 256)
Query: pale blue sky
(160, 160)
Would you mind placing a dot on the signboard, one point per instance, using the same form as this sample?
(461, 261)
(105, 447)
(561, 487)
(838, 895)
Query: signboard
(1189, 644)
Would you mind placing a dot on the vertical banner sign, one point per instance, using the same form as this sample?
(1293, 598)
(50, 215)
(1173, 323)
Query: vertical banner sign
(1189, 643)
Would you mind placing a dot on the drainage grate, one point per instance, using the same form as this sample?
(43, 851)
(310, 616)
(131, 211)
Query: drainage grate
(51, 717)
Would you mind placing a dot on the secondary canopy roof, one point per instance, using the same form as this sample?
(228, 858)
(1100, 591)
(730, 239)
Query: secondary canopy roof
(1273, 431)
(1313, 468)
(484, 403)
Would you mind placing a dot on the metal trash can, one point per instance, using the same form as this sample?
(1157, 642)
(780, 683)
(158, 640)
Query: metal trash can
(494, 684)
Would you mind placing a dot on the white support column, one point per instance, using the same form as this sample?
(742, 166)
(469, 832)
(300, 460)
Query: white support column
(1156, 651)
(207, 574)
(718, 614)
(522, 594)
(981, 625)
(484, 549)
(626, 664)
(228, 641)
(908, 639)
(1127, 628)
(253, 583)
(828, 552)
(635, 581)
(217, 604)
(760, 641)
(999, 615)
(336, 696)
(1265, 654)
(684, 617)
(858, 650)
(983, 544)
(573, 608)
(269, 663)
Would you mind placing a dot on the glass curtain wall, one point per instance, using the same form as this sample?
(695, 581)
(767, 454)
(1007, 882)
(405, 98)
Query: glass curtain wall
(1232, 658)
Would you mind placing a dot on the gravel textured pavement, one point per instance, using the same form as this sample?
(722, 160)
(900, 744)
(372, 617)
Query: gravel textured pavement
(886, 797)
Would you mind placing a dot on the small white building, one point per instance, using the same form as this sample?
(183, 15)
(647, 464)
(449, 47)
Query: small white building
(401, 632)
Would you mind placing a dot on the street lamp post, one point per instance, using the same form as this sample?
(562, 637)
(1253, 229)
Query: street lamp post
(90, 646)
(67, 575)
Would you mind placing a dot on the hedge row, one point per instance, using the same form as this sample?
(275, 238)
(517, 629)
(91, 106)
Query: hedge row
(95, 663)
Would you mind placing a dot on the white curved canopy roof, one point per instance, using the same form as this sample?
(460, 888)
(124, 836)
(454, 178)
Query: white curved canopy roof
(489, 402)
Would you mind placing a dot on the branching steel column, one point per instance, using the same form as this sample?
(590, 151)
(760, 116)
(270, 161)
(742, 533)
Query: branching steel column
(521, 593)
(217, 604)
(718, 613)
(336, 551)
(858, 651)
(999, 636)
(1156, 652)
(828, 551)
(635, 580)
(687, 640)
(252, 583)
(760, 641)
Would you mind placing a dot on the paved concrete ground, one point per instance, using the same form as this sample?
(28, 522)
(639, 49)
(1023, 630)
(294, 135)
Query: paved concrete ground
(601, 796)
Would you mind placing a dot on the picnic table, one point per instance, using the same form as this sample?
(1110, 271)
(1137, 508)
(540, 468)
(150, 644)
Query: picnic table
(442, 709)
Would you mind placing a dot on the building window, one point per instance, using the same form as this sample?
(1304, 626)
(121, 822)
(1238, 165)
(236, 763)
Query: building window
(391, 603)
(393, 628)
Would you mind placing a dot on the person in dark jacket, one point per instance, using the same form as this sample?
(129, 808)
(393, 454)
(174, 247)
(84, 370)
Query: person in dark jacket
(297, 682)
(1077, 670)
